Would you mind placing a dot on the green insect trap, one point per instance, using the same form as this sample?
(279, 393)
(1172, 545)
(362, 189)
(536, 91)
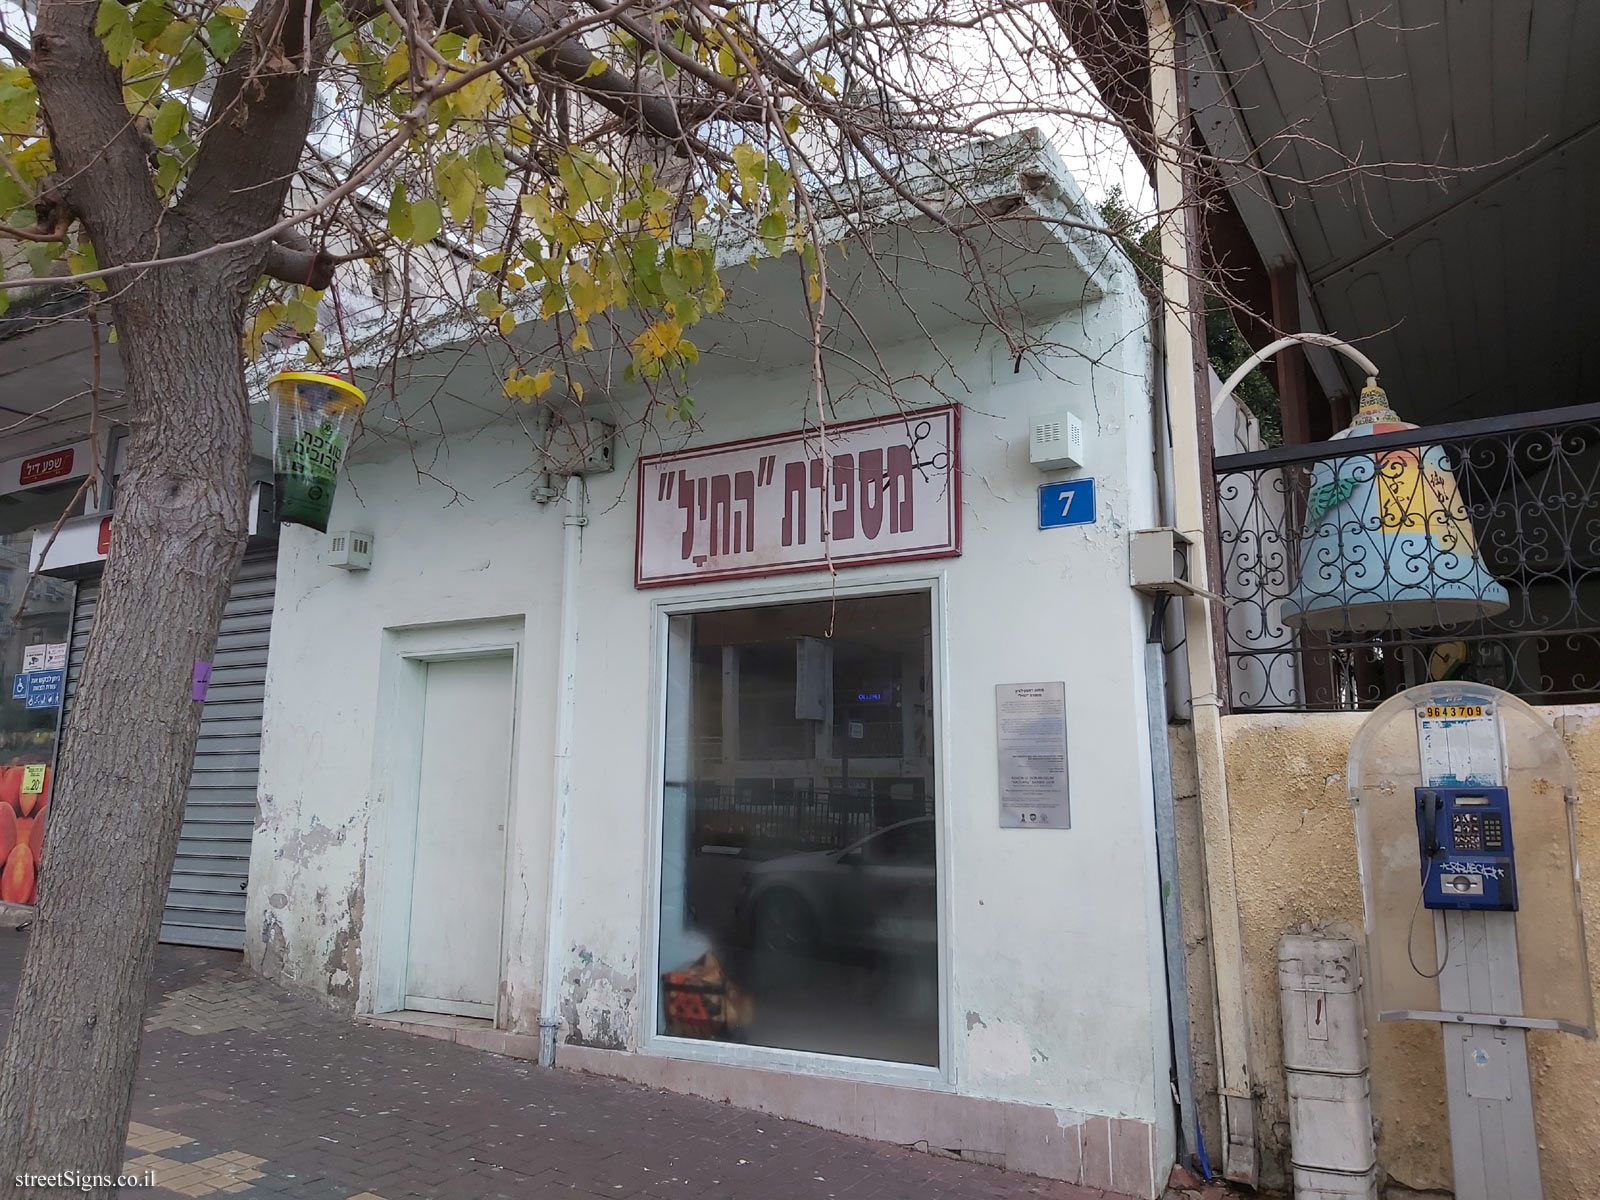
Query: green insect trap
(312, 419)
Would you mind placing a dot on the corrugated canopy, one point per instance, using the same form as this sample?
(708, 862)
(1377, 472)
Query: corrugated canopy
(1462, 254)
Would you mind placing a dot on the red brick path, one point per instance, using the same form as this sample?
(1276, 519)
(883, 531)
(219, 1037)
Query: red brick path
(246, 1089)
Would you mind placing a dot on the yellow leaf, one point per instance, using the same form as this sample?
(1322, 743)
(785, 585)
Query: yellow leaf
(658, 341)
(813, 287)
(508, 322)
(581, 339)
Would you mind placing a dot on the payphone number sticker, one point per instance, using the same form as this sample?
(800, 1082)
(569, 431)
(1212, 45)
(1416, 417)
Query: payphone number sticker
(1454, 710)
(1459, 745)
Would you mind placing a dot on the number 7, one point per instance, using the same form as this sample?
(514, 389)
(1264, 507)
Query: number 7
(1066, 501)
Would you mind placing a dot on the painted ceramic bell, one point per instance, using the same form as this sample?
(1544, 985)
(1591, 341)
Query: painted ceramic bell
(1387, 542)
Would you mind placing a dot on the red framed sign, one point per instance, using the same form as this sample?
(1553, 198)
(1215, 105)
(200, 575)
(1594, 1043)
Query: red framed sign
(48, 466)
(885, 489)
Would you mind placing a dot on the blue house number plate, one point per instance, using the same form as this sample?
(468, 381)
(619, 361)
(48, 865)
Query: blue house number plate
(1067, 503)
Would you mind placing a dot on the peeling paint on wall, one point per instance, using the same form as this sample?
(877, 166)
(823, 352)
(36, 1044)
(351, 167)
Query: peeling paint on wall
(597, 1004)
(344, 958)
(999, 1049)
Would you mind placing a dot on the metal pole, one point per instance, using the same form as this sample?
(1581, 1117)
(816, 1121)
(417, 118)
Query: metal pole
(1155, 690)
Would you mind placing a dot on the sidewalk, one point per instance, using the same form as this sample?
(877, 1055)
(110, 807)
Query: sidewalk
(246, 1089)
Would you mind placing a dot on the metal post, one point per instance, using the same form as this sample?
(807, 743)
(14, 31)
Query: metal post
(1494, 1150)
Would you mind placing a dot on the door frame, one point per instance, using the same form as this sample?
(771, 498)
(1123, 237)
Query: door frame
(396, 781)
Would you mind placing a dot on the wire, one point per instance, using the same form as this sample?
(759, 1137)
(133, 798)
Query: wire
(1411, 931)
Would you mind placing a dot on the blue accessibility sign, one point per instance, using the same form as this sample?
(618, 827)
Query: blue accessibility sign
(1070, 502)
(45, 688)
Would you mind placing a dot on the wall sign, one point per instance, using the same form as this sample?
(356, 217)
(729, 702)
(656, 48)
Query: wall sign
(35, 470)
(1031, 729)
(44, 688)
(43, 677)
(879, 490)
(87, 539)
(1070, 502)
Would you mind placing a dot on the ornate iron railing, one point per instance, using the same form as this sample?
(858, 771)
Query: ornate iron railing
(1322, 545)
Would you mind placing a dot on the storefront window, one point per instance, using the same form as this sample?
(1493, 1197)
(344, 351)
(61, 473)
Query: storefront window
(799, 903)
(33, 658)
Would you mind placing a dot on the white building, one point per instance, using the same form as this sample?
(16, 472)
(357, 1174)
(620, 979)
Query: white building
(719, 813)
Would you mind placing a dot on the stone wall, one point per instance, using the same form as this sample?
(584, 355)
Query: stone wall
(1294, 850)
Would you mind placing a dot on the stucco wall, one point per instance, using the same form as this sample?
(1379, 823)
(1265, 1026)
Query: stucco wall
(1294, 849)
(1055, 983)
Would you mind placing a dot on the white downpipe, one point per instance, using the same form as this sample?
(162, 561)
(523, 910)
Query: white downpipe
(1294, 339)
(1239, 1158)
(566, 714)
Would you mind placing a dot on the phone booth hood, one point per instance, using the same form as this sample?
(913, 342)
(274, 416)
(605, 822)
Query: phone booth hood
(1384, 771)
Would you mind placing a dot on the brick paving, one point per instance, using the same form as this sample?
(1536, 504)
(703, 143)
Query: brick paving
(247, 1089)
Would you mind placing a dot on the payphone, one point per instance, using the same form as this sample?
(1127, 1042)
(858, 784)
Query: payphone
(1446, 781)
(1464, 837)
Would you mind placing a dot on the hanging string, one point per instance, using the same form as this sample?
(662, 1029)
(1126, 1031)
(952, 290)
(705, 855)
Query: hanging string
(338, 319)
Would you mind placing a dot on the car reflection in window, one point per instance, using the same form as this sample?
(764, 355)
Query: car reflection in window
(877, 895)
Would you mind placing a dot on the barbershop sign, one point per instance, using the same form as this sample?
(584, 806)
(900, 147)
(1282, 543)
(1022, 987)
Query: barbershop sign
(873, 491)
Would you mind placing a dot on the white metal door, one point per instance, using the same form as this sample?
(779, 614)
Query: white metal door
(458, 873)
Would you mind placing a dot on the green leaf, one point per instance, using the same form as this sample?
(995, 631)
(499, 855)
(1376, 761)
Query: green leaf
(750, 163)
(169, 168)
(191, 68)
(19, 103)
(222, 35)
(400, 213)
(772, 229)
(426, 221)
(457, 185)
(150, 20)
(597, 67)
(173, 38)
(82, 260)
(114, 27)
(42, 256)
(169, 120)
(490, 170)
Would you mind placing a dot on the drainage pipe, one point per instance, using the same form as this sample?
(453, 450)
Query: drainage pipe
(1191, 455)
(1190, 1140)
(566, 712)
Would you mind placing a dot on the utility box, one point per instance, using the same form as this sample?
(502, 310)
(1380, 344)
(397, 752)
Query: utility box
(1158, 562)
(1055, 440)
(349, 550)
(582, 446)
(1325, 1059)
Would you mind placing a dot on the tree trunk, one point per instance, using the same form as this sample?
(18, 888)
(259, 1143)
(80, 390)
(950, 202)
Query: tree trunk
(177, 536)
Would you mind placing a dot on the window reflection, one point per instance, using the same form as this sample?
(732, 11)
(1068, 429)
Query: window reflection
(799, 881)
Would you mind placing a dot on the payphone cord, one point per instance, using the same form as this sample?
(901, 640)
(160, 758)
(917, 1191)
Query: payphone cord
(1411, 930)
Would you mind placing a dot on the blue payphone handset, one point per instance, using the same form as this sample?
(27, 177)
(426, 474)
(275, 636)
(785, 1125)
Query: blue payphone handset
(1464, 835)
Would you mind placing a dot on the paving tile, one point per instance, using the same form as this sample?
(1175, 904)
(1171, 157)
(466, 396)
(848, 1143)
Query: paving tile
(249, 1090)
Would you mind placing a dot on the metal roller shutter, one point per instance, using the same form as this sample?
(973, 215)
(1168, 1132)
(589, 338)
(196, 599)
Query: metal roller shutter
(205, 899)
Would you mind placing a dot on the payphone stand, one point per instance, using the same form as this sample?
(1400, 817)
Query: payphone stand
(1463, 798)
